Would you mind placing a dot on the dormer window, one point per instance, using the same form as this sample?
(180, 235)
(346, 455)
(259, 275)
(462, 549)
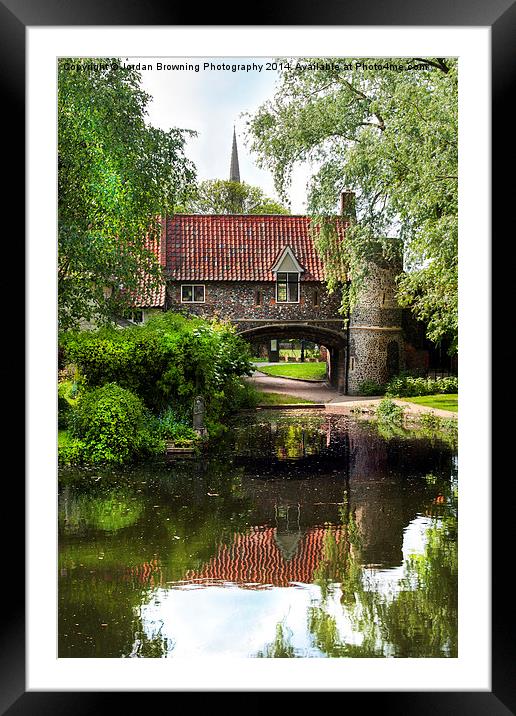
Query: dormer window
(287, 287)
(288, 273)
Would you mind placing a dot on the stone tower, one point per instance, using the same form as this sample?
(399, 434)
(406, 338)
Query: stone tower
(234, 170)
(375, 332)
(375, 336)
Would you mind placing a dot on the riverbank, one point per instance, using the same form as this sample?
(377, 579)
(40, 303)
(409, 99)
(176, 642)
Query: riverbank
(335, 402)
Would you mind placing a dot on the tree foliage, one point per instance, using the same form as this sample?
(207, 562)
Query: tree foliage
(230, 197)
(390, 135)
(166, 362)
(116, 176)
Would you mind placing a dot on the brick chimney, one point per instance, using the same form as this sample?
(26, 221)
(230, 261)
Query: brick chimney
(347, 204)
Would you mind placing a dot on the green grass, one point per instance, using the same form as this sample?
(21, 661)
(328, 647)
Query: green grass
(442, 401)
(301, 371)
(279, 399)
(254, 359)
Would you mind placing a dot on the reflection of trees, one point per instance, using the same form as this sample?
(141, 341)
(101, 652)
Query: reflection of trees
(110, 511)
(150, 647)
(420, 620)
(110, 561)
(283, 438)
(281, 647)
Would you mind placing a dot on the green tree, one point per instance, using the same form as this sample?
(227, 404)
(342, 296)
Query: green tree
(230, 197)
(116, 176)
(391, 136)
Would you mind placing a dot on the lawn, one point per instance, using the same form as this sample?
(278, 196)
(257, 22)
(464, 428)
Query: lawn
(441, 401)
(279, 399)
(299, 371)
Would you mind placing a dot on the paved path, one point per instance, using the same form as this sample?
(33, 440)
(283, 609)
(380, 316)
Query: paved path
(318, 392)
(334, 402)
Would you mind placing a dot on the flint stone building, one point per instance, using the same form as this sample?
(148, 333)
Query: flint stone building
(263, 274)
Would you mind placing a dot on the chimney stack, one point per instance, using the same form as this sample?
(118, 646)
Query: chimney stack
(347, 204)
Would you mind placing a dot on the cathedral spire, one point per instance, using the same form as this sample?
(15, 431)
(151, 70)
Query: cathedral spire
(234, 171)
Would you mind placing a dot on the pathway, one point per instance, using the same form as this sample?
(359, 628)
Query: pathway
(320, 392)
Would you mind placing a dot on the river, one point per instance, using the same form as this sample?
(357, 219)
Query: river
(301, 534)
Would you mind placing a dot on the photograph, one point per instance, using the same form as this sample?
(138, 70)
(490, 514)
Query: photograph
(258, 357)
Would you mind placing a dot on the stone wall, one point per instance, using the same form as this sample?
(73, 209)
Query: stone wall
(238, 301)
(375, 331)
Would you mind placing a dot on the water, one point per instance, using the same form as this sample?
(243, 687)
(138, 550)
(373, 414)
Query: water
(304, 536)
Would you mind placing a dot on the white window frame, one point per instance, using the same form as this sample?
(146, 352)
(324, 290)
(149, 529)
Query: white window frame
(131, 318)
(193, 286)
(298, 287)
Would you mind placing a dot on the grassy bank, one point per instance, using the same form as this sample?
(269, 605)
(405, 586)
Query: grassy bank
(297, 371)
(279, 399)
(442, 401)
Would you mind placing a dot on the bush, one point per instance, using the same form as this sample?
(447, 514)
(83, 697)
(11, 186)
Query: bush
(114, 426)
(172, 425)
(63, 412)
(388, 412)
(371, 387)
(73, 452)
(239, 394)
(405, 386)
(170, 359)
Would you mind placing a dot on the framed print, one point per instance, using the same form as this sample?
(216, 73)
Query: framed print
(53, 657)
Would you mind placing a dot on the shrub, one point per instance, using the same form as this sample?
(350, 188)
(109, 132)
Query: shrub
(434, 422)
(406, 386)
(239, 394)
(63, 412)
(430, 420)
(113, 425)
(170, 358)
(73, 452)
(172, 425)
(388, 412)
(371, 387)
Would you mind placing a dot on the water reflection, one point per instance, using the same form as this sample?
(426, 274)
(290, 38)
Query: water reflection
(318, 538)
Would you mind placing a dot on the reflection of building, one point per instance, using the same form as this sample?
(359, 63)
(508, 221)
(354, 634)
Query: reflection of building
(266, 555)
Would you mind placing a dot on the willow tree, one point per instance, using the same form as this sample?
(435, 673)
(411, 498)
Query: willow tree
(386, 129)
(116, 176)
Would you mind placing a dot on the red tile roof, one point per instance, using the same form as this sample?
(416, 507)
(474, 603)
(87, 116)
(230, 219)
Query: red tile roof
(148, 296)
(256, 558)
(238, 247)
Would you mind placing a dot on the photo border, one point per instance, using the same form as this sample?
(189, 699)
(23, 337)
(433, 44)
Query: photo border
(15, 17)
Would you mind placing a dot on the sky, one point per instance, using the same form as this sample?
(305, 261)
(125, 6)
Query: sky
(211, 102)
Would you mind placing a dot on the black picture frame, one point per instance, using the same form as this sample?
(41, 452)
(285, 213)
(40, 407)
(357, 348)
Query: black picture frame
(500, 16)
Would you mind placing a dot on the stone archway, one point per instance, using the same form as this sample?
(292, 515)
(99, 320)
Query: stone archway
(334, 341)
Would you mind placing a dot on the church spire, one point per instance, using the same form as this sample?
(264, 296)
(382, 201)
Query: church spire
(234, 171)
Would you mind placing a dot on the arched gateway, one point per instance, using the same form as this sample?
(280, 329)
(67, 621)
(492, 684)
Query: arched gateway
(334, 340)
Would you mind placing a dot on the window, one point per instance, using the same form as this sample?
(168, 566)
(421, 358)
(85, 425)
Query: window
(135, 316)
(316, 298)
(258, 298)
(287, 287)
(192, 293)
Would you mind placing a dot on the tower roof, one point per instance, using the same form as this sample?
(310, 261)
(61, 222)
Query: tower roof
(234, 170)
